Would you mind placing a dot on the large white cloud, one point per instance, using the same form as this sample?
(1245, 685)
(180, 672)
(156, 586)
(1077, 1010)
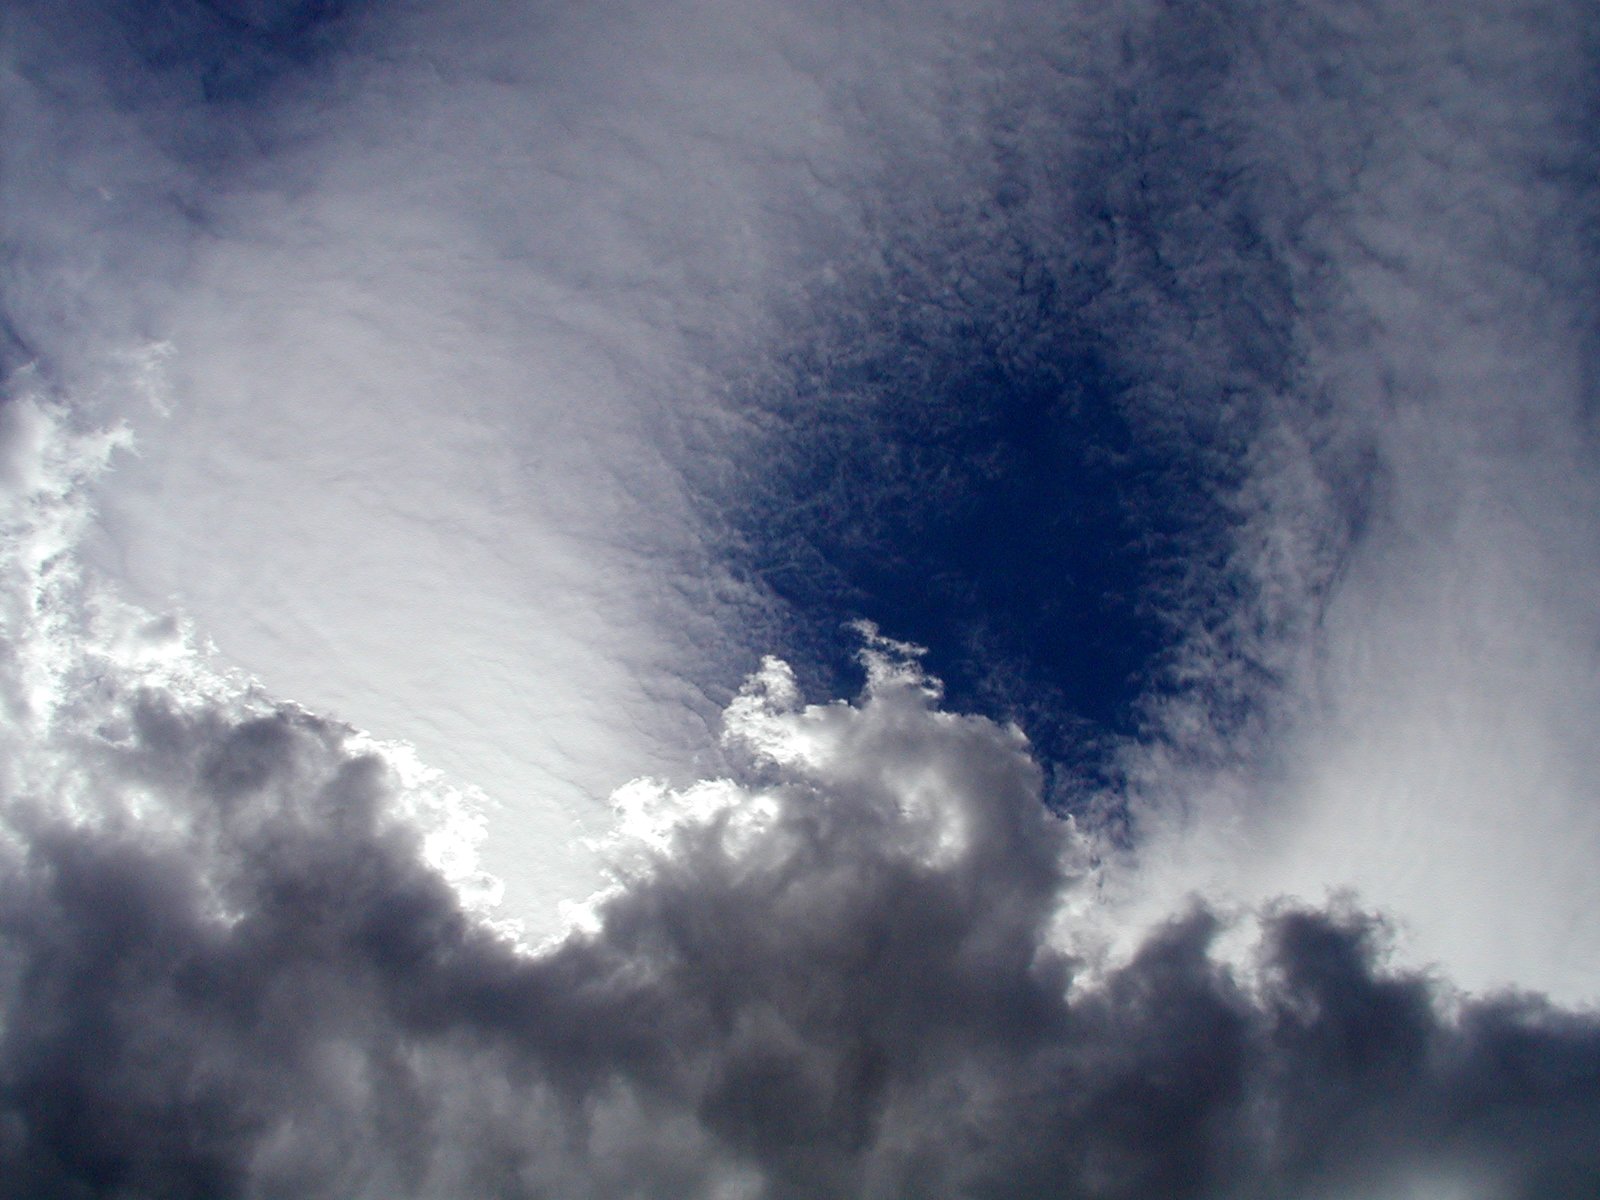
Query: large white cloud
(424, 301)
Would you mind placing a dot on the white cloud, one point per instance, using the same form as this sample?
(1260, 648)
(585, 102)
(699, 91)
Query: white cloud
(427, 316)
(1425, 734)
(225, 941)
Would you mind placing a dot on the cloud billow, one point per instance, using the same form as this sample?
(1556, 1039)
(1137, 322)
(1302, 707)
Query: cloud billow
(842, 977)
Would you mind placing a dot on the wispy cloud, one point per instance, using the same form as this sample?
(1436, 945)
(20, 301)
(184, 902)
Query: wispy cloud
(1428, 748)
(428, 292)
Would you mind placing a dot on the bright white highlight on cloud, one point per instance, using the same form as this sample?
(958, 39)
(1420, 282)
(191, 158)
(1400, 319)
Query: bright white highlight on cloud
(76, 652)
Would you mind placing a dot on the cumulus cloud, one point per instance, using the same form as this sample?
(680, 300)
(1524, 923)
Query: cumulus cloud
(233, 967)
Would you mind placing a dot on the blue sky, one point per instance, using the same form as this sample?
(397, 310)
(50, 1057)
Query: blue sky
(791, 599)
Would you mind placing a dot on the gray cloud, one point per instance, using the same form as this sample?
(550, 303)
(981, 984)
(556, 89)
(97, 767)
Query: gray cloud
(824, 1018)
(228, 969)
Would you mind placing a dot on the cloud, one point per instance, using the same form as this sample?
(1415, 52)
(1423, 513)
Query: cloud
(449, 338)
(474, 293)
(631, 318)
(229, 966)
(1412, 711)
(426, 277)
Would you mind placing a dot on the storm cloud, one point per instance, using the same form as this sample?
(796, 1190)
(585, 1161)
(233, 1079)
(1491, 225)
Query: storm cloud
(230, 970)
(238, 962)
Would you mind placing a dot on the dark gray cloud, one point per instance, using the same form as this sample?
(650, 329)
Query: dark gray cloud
(838, 979)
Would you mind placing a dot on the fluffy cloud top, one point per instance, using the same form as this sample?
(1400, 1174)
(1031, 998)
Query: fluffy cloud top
(232, 968)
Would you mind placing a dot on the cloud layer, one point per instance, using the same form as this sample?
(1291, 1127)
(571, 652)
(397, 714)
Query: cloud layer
(1435, 483)
(1212, 387)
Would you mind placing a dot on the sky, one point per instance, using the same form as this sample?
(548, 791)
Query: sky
(668, 598)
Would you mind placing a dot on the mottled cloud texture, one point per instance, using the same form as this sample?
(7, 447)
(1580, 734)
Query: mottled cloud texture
(452, 453)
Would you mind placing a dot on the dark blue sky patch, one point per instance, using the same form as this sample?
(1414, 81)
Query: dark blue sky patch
(1011, 519)
(203, 79)
(234, 51)
(1014, 435)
